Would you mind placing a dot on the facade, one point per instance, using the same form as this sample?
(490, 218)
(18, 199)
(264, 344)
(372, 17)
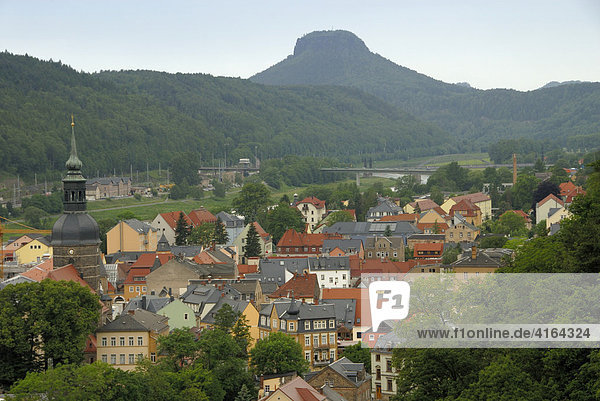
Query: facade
(313, 210)
(135, 283)
(33, 251)
(233, 225)
(343, 247)
(383, 383)
(370, 229)
(107, 187)
(479, 261)
(385, 207)
(131, 236)
(131, 337)
(266, 243)
(179, 314)
(469, 211)
(462, 231)
(331, 272)
(300, 286)
(542, 208)
(384, 247)
(423, 205)
(295, 390)
(556, 215)
(312, 326)
(165, 224)
(293, 243)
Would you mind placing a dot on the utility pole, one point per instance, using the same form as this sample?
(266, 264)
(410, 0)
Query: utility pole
(147, 174)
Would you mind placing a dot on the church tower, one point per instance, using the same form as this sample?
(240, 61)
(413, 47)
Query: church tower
(75, 235)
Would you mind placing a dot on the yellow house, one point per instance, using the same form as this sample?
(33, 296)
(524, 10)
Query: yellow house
(245, 308)
(33, 251)
(432, 216)
(480, 199)
(131, 337)
(555, 215)
(131, 236)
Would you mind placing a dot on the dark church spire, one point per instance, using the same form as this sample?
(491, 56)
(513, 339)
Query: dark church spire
(74, 182)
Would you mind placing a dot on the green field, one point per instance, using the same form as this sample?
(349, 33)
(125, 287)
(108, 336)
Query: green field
(462, 159)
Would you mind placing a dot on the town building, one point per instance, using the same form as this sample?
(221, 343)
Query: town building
(385, 207)
(343, 247)
(107, 187)
(468, 210)
(166, 224)
(131, 235)
(331, 272)
(264, 238)
(479, 199)
(312, 326)
(345, 377)
(384, 247)
(233, 225)
(293, 243)
(33, 251)
(301, 286)
(542, 208)
(130, 338)
(313, 210)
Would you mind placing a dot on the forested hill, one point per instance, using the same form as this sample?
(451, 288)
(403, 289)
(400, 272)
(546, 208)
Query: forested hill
(474, 117)
(134, 117)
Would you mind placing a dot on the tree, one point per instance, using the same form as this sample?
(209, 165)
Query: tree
(278, 353)
(388, 231)
(281, 219)
(252, 247)
(512, 224)
(180, 349)
(35, 217)
(219, 189)
(225, 318)
(358, 353)
(338, 217)
(544, 189)
(182, 230)
(221, 236)
(451, 254)
(245, 394)
(126, 215)
(253, 199)
(436, 195)
(522, 192)
(492, 241)
(43, 322)
(203, 235)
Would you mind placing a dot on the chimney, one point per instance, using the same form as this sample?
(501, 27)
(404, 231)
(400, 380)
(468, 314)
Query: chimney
(262, 381)
(514, 168)
(144, 302)
(473, 252)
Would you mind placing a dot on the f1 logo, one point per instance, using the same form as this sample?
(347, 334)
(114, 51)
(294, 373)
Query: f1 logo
(388, 300)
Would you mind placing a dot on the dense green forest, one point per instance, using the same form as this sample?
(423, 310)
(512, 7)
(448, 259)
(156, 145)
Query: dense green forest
(129, 118)
(475, 117)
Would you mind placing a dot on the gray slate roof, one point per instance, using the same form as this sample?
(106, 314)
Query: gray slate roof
(353, 229)
(329, 263)
(345, 245)
(237, 306)
(107, 180)
(201, 294)
(141, 320)
(139, 226)
(345, 311)
(16, 280)
(154, 303)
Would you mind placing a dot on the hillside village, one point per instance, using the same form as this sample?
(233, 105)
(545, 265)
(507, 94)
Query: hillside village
(307, 284)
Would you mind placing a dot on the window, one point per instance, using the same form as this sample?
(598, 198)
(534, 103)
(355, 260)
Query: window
(389, 384)
(307, 325)
(343, 277)
(388, 365)
(131, 341)
(137, 289)
(130, 288)
(282, 325)
(262, 320)
(275, 323)
(371, 337)
(113, 359)
(331, 279)
(185, 316)
(378, 374)
(104, 358)
(323, 339)
(460, 234)
(451, 234)
(267, 388)
(464, 274)
(331, 323)
(292, 326)
(377, 357)
(322, 277)
(316, 340)
(122, 341)
(370, 254)
(104, 342)
(122, 359)
(144, 289)
(331, 338)
(140, 341)
(332, 357)
(329, 383)
(113, 341)
(153, 357)
(307, 341)
(131, 359)
(140, 357)
(306, 355)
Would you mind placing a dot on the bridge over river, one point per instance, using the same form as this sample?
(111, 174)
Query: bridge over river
(420, 173)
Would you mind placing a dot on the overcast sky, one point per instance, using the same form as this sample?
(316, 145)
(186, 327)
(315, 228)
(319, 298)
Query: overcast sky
(516, 44)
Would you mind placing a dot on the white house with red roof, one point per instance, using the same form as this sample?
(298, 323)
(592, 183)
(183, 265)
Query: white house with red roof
(542, 208)
(166, 223)
(313, 210)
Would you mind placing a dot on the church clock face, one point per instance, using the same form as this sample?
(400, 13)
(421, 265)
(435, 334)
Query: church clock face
(71, 251)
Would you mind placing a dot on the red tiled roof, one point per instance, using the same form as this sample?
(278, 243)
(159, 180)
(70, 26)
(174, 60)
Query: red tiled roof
(358, 266)
(424, 204)
(465, 207)
(199, 216)
(475, 198)
(292, 238)
(429, 247)
(40, 272)
(401, 217)
(319, 204)
(246, 269)
(442, 227)
(566, 187)
(68, 273)
(300, 286)
(205, 258)
(136, 272)
(172, 217)
(442, 212)
(264, 235)
(547, 198)
(518, 212)
(148, 259)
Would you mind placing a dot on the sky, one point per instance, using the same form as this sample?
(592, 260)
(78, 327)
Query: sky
(518, 44)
